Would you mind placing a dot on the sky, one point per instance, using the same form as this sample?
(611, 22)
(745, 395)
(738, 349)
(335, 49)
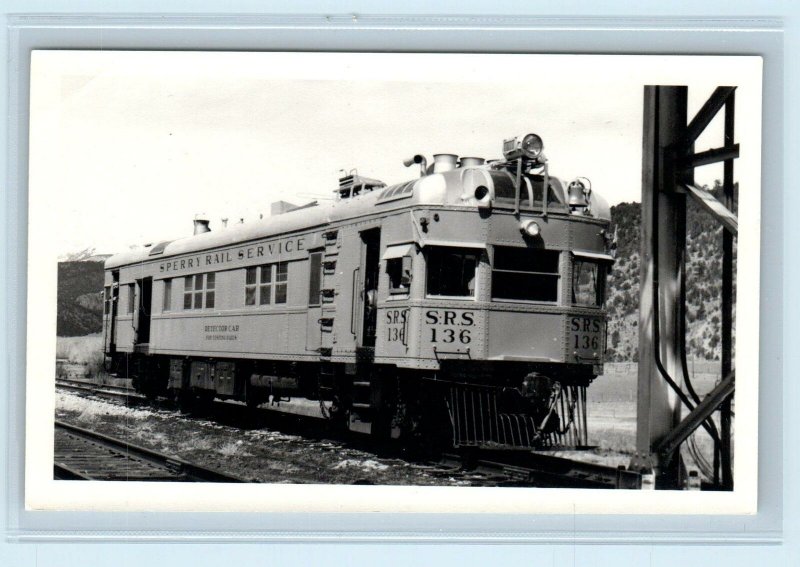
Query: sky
(129, 146)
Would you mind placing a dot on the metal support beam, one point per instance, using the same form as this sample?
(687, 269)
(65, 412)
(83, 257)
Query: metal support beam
(668, 162)
(708, 157)
(662, 245)
(697, 416)
(726, 307)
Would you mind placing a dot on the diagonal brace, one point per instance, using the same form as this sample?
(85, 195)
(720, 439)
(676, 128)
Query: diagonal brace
(698, 415)
(706, 114)
(719, 211)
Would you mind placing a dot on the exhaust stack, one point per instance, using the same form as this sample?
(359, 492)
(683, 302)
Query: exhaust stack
(444, 162)
(201, 225)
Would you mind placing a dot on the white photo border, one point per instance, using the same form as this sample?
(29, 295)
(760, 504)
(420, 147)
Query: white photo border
(18, 194)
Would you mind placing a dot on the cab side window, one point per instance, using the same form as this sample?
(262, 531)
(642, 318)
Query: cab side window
(399, 272)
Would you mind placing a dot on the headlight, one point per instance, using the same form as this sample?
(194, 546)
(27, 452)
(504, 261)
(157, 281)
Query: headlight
(532, 146)
(530, 228)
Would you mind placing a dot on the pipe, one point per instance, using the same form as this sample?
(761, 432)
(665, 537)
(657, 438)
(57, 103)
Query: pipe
(419, 159)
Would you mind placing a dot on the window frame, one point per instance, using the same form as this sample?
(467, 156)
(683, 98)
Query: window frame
(476, 252)
(557, 275)
(197, 298)
(266, 284)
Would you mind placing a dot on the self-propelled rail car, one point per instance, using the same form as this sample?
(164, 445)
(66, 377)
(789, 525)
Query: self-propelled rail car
(463, 306)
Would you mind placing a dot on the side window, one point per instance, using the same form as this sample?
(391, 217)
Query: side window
(198, 291)
(106, 299)
(266, 285)
(131, 298)
(195, 288)
(167, 295)
(525, 274)
(281, 281)
(210, 293)
(399, 271)
(188, 284)
(250, 288)
(451, 271)
(588, 283)
(314, 278)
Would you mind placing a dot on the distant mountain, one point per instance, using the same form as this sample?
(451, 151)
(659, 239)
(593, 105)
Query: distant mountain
(86, 255)
(80, 305)
(703, 288)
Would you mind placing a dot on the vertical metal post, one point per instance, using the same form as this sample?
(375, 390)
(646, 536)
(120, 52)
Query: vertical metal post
(727, 298)
(662, 261)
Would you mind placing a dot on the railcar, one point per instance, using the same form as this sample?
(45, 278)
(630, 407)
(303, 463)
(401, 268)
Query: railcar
(463, 306)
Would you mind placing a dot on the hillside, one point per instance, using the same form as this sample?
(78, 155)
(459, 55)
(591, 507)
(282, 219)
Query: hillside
(80, 305)
(704, 272)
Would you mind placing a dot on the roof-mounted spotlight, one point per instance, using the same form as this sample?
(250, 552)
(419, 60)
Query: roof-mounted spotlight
(530, 148)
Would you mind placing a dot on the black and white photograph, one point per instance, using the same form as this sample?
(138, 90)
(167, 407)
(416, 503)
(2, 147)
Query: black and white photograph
(393, 282)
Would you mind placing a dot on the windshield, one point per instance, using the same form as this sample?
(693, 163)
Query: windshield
(525, 274)
(504, 190)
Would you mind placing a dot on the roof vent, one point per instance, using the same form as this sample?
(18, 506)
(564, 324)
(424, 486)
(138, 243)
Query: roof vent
(472, 162)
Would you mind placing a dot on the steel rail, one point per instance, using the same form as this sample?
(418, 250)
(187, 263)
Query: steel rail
(177, 468)
(542, 470)
(115, 392)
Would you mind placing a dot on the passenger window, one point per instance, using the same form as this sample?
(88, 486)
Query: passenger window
(525, 274)
(399, 271)
(195, 287)
(250, 286)
(167, 295)
(210, 294)
(265, 286)
(281, 279)
(262, 281)
(588, 283)
(451, 271)
(188, 282)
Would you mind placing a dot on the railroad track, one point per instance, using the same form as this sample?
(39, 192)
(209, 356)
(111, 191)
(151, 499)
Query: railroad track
(483, 467)
(529, 468)
(129, 395)
(81, 454)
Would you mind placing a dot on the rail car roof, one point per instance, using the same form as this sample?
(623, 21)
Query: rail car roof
(435, 189)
